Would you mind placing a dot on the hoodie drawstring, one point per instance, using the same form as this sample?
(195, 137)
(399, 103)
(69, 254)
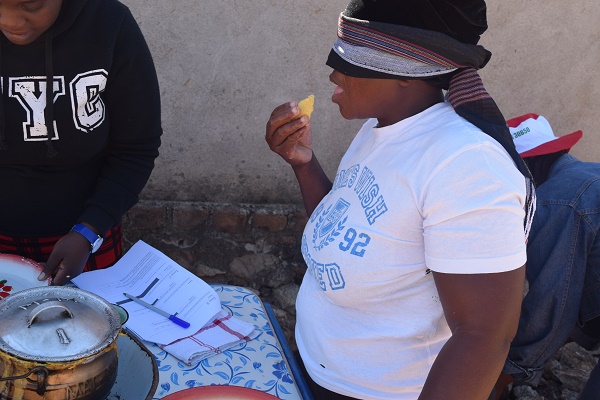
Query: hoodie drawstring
(2, 113)
(49, 110)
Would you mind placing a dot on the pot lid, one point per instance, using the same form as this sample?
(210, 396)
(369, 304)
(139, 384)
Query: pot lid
(56, 324)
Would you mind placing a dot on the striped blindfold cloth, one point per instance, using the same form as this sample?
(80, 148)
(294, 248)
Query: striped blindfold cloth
(370, 49)
(403, 51)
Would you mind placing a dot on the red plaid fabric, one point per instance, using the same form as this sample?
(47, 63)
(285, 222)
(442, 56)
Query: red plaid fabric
(39, 249)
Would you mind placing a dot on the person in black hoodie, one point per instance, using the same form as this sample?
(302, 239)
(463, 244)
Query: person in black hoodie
(73, 159)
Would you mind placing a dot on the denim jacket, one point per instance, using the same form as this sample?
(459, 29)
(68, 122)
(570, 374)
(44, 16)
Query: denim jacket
(568, 213)
(563, 266)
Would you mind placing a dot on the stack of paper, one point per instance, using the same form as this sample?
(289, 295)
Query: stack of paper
(148, 274)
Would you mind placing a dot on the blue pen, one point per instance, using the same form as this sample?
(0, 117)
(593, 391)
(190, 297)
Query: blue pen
(165, 314)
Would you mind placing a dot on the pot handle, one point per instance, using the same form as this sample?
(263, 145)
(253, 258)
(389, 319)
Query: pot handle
(42, 375)
(46, 306)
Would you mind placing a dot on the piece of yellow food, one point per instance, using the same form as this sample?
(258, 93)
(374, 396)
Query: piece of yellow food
(307, 105)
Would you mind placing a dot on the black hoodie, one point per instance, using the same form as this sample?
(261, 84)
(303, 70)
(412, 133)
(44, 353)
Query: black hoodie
(106, 114)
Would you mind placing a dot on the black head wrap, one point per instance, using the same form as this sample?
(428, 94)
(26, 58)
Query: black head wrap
(463, 20)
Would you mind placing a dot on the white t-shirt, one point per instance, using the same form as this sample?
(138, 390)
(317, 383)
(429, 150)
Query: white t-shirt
(429, 192)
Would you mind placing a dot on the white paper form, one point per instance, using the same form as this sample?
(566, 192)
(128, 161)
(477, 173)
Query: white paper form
(150, 275)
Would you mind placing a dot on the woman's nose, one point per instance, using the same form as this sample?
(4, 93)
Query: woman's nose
(11, 20)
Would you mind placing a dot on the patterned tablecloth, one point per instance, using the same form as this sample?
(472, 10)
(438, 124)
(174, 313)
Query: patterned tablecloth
(258, 364)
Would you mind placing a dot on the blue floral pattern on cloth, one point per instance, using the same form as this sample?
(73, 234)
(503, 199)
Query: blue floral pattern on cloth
(258, 364)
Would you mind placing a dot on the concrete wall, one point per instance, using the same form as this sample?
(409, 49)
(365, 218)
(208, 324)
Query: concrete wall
(223, 66)
(546, 61)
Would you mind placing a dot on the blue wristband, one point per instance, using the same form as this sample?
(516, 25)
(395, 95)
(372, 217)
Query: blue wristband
(94, 239)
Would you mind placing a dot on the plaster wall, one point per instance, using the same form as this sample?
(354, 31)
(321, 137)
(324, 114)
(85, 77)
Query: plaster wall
(223, 66)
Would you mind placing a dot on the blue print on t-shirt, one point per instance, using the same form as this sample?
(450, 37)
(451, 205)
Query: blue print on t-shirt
(335, 277)
(332, 271)
(330, 223)
(371, 201)
(356, 247)
(346, 177)
(366, 189)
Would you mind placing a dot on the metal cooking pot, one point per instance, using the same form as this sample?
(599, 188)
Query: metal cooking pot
(57, 343)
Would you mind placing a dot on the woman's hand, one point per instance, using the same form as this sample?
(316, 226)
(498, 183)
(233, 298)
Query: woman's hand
(67, 259)
(290, 136)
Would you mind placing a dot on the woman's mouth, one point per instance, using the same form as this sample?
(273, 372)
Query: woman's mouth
(337, 93)
(17, 37)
